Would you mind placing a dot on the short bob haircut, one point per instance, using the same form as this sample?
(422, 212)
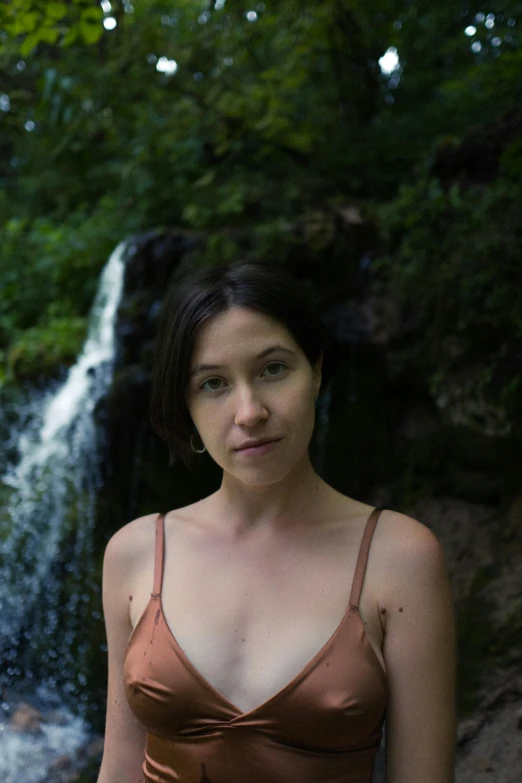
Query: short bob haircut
(200, 293)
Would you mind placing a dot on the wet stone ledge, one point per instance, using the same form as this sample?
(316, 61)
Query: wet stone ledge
(46, 744)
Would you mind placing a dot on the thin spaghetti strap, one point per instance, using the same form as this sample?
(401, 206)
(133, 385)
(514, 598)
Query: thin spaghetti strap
(159, 555)
(362, 558)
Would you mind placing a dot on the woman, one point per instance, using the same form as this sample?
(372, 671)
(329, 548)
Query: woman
(286, 620)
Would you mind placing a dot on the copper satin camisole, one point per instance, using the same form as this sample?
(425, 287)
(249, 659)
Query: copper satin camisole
(324, 726)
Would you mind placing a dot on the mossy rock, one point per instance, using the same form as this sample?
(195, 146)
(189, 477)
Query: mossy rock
(42, 351)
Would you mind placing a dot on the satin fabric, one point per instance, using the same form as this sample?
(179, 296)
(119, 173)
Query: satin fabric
(324, 726)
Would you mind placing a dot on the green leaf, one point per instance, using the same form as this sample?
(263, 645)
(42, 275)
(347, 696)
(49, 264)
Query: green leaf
(32, 40)
(24, 22)
(90, 32)
(90, 25)
(205, 180)
(56, 11)
(299, 141)
(49, 34)
(92, 15)
(70, 37)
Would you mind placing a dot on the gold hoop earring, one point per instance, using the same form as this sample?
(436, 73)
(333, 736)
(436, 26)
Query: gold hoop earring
(198, 451)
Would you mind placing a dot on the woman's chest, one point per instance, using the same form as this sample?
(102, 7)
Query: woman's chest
(250, 620)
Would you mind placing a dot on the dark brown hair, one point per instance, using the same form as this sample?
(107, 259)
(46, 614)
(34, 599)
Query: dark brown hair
(198, 294)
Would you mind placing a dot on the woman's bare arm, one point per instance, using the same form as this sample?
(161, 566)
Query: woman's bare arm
(420, 655)
(123, 753)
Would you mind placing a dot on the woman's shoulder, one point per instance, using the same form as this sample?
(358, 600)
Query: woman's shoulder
(396, 535)
(407, 555)
(405, 538)
(130, 543)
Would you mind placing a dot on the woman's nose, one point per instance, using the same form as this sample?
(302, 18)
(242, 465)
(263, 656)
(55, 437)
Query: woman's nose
(250, 408)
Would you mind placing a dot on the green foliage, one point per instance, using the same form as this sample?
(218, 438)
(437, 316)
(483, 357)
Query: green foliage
(39, 350)
(495, 82)
(34, 22)
(511, 162)
(454, 265)
(48, 278)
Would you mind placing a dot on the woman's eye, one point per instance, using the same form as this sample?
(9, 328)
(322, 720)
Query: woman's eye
(209, 381)
(216, 389)
(275, 364)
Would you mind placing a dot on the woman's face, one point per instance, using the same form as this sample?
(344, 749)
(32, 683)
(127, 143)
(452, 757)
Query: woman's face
(247, 396)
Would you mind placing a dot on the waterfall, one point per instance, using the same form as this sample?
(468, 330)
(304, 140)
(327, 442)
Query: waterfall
(46, 559)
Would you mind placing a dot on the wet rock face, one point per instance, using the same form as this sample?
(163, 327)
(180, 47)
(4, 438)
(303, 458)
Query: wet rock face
(59, 765)
(44, 743)
(490, 743)
(25, 719)
(152, 259)
(483, 550)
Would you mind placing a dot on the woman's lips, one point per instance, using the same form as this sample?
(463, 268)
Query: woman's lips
(264, 448)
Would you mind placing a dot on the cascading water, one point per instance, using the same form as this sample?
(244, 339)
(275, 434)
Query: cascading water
(46, 554)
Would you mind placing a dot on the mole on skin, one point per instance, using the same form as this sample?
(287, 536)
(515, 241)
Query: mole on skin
(400, 608)
(130, 597)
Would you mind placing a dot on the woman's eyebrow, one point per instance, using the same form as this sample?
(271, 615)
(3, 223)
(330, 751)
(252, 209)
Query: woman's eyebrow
(271, 349)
